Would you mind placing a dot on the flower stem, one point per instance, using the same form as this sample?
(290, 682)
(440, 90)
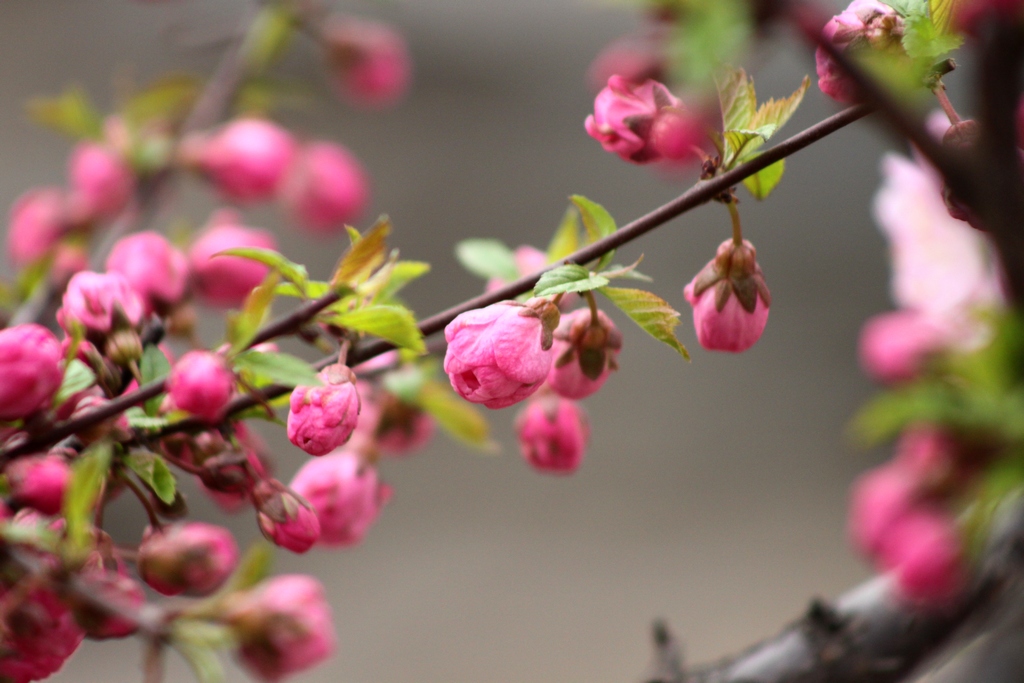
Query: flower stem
(737, 231)
(154, 520)
(947, 106)
(592, 302)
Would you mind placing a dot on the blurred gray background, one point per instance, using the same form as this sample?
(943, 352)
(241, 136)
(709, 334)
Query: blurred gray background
(713, 493)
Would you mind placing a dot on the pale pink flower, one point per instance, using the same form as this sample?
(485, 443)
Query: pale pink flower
(227, 280)
(346, 495)
(247, 159)
(101, 181)
(325, 188)
(38, 219)
(553, 434)
(201, 383)
(192, 557)
(155, 269)
(99, 302)
(30, 358)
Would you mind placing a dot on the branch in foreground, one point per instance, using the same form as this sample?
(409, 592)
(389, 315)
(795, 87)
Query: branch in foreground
(701, 193)
(866, 636)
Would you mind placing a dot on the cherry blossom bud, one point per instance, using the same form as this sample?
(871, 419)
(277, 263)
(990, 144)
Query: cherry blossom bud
(895, 347)
(101, 182)
(247, 159)
(195, 557)
(325, 188)
(39, 482)
(30, 358)
(730, 299)
(227, 280)
(154, 269)
(925, 554)
(113, 587)
(878, 499)
(40, 634)
(201, 383)
(39, 218)
(553, 434)
(586, 351)
(369, 61)
(864, 24)
(635, 58)
(402, 428)
(285, 518)
(500, 354)
(283, 626)
(935, 460)
(100, 302)
(625, 116)
(322, 418)
(346, 495)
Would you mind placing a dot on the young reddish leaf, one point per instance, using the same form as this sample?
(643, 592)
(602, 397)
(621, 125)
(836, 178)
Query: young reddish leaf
(364, 256)
(650, 312)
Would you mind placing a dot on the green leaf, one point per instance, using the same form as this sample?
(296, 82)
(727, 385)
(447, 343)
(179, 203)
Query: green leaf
(778, 112)
(737, 99)
(488, 259)
(314, 289)
(138, 419)
(568, 278)
(270, 35)
(907, 7)
(598, 224)
(942, 13)
(402, 274)
(394, 323)
(88, 473)
(711, 33)
(406, 383)
(650, 312)
(245, 325)
(168, 98)
(293, 272)
(567, 237)
(254, 567)
(741, 143)
(629, 272)
(923, 40)
(767, 179)
(279, 368)
(153, 366)
(152, 469)
(202, 659)
(457, 417)
(887, 414)
(364, 256)
(261, 96)
(70, 113)
(77, 377)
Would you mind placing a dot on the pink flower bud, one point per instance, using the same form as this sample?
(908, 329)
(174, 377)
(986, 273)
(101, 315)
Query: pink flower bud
(553, 434)
(154, 268)
(626, 114)
(101, 182)
(730, 299)
(40, 634)
(325, 188)
(585, 351)
(39, 218)
(369, 61)
(247, 159)
(934, 459)
(100, 302)
(402, 428)
(201, 383)
(114, 587)
(894, 347)
(30, 358)
(283, 626)
(195, 557)
(322, 418)
(925, 554)
(635, 58)
(346, 495)
(284, 518)
(227, 280)
(878, 499)
(865, 23)
(39, 482)
(500, 354)
(676, 135)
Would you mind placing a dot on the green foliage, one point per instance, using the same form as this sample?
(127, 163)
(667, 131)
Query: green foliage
(907, 7)
(88, 473)
(365, 255)
(598, 224)
(70, 113)
(652, 313)
(270, 35)
(244, 325)
(262, 96)
(168, 98)
(254, 567)
(153, 366)
(712, 32)
(292, 272)
(140, 419)
(402, 273)
(201, 656)
(923, 40)
(77, 377)
(745, 125)
(487, 258)
(567, 237)
(277, 368)
(942, 13)
(568, 278)
(767, 179)
(406, 383)
(457, 417)
(152, 469)
(394, 323)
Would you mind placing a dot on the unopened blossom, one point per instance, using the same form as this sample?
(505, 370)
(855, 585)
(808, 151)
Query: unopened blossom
(500, 354)
(30, 365)
(101, 180)
(286, 519)
(586, 351)
(933, 458)
(321, 418)
(283, 626)
(192, 557)
(730, 299)
(39, 482)
(38, 219)
(346, 494)
(40, 634)
(896, 346)
(865, 24)
(227, 280)
(247, 159)
(553, 434)
(398, 427)
(635, 58)
(113, 587)
(879, 498)
(157, 270)
(100, 302)
(926, 557)
(326, 188)
(625, 116)
(369, 61)
(202, 383)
